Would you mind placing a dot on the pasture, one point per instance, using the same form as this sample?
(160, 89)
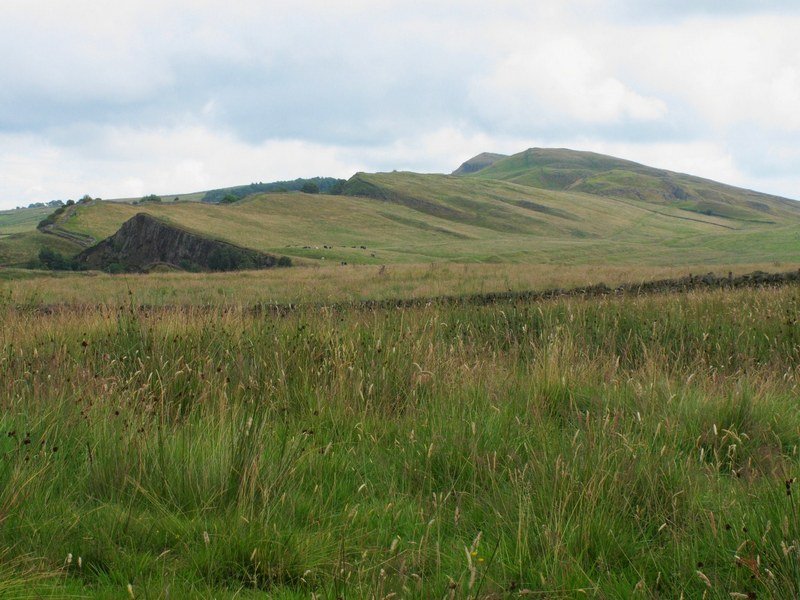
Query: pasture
(606, 447)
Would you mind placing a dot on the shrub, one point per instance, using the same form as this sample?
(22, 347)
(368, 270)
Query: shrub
(50, 259)
(337, 189)
(188, 265)
(55, 261)
(225, 259)
(115, 268)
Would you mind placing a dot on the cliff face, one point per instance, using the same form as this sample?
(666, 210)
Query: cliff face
(144, 242)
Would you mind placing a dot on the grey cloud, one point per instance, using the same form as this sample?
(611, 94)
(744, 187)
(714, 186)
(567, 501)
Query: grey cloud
(357, 79)
(350, 88)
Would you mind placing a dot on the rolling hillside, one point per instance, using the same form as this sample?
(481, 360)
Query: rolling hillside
(21, 220)
(20, 241)
(596, 174)
(479, 162)
(539, 206)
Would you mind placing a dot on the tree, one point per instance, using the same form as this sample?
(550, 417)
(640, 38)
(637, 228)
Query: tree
(115, 268)
(337, 188)
(310, 188)
(52, 259)
(55, 261)
(229, 199)
(151, 198)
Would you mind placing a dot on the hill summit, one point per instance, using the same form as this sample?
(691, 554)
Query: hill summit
(600, 175)
(479, 162)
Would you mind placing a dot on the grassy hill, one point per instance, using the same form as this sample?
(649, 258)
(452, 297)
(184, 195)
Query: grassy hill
(324, 185)
(476, 163)
(596, 174)
(539, 206)
(20, 241)
(21, 220)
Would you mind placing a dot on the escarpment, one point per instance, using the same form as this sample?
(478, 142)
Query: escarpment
(145, 242)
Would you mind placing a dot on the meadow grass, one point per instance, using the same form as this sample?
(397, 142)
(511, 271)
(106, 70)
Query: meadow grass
(19, 249)
(613, 447)
(336, 283)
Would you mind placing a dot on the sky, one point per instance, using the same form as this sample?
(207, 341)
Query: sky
(132, 97)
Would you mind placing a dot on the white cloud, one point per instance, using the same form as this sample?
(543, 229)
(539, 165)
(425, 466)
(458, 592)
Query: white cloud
(128, 162)
(725, 71)
(132, 163)
(559, 78)
(701, 158)
(141, 96)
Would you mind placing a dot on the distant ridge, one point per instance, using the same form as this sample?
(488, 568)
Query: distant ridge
(600, 175)
(322, 185)
(540, 205)
(478, 163)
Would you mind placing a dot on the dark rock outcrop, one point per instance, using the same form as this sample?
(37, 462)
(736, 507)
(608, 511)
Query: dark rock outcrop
(144, 242)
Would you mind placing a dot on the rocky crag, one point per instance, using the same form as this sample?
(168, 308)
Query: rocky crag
(144, 243)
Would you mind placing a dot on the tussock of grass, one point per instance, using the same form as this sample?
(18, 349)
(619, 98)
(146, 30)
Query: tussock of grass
(613, 447)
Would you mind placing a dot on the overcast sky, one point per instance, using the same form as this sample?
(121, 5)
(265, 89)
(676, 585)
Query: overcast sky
(131, 97)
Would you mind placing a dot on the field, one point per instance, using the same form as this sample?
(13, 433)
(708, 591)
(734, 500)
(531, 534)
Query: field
(465, 221)
(330, 284)
(614, 447)
(274, 434)
(21, 220)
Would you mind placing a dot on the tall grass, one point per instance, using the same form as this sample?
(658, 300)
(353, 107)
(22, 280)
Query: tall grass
(613, 448)
(330, 284)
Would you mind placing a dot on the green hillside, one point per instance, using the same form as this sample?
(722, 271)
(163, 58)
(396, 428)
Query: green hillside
(476, 163)
(19, 249)
(20, 242)
(539, 206)
(21, 220)
(324, 185)
(596, 174)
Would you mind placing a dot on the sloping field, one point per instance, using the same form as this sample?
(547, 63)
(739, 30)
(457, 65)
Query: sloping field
(19, 248)
(602, 175)
(408, 217)
(21, 220)
(535, 207)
